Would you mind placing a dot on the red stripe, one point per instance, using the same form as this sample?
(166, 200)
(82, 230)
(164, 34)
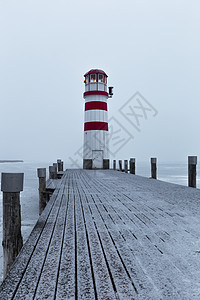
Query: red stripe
(95, 93)
(96, 105)
(96, 126)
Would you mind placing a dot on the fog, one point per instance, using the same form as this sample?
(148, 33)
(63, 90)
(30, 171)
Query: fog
(150, 51)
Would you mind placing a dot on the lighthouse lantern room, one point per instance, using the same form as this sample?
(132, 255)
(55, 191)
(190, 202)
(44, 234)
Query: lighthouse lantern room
(95, 149)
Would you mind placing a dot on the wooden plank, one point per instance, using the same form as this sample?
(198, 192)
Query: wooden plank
(28, 284)
(85, 270)
(147, 223)
(9, 286)
(102, 277)
(110, 235)
(66, 283)
(121, 278)
(52, 184)
(121, 284)
(47, 283)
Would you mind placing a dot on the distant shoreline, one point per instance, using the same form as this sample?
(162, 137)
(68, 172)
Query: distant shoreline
(11, 161)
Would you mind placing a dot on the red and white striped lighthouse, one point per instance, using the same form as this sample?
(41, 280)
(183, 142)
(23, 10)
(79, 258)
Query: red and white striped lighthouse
(95, 151)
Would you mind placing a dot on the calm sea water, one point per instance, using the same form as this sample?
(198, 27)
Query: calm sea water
(170, 172)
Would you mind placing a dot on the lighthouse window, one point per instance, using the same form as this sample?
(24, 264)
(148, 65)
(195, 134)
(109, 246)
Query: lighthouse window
(87, 79)
(100, 78)
(93, 78)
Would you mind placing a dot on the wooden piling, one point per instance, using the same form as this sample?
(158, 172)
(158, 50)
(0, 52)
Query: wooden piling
(114, 164)
(120, 165)
(59, 163)
(52, 172)
(132, 166)
(192, 162)
(42, 188)
(154, 167)
(11, 186)
(56, 169)
(126, 166)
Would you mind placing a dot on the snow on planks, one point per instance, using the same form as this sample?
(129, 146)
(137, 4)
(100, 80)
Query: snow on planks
(110, 235)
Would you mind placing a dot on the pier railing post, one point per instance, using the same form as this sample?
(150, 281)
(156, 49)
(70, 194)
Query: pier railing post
(52, 172)
(59, 165)
(114, 164)
(132, 166)
(154, 167)
(56, 169)
(120, 165)
(11, 186)
(42, 187)
(126, 166)
(192, 162)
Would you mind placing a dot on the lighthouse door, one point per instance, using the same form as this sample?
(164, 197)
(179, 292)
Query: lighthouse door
(97, 159)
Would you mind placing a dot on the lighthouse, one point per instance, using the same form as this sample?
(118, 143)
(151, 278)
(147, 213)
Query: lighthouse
(95, 148)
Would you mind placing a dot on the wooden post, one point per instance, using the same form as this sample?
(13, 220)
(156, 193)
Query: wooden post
(56, 168)
(52, 172)
(114, 164)
(153, 168)
(59, 165)
(120, 165)
(11, 186)
(42, 187)
(106, 164)
(192, 162)
(126, 166)
(132, 166)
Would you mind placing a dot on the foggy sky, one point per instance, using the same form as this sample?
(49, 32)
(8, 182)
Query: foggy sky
(147, 46)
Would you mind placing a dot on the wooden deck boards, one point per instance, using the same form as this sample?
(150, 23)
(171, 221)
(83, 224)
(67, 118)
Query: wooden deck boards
(52, 184)
(111, 235)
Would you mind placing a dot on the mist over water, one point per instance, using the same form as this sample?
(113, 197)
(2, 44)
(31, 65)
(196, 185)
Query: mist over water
(169, 172)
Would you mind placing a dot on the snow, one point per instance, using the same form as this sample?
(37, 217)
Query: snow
(111, 235)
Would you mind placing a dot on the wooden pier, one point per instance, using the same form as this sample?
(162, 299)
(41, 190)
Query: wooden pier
(110, 235)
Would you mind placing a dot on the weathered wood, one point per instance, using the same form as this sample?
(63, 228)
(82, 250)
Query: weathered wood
(192, 173)
(41, 172)
(35, 267)
(59, 163)
(11, 185)
(114, 164)
(16, 273)
(120, 165)
(106, 164)
(106, 235)
(126, 166)
(60, 174)
(56, 170)
(52, 184)
(48, 275)
(132, 165)
(52, 172)
(154, 168)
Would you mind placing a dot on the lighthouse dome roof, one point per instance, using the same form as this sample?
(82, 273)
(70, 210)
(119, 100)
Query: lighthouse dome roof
(97, 71)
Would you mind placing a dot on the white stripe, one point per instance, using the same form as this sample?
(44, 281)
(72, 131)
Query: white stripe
(90, 98)
(95, 140)
(96, 115)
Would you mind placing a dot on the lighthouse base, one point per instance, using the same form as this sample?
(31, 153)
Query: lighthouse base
(87, 164)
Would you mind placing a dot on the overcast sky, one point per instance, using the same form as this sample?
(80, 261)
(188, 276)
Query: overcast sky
(150, 47)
